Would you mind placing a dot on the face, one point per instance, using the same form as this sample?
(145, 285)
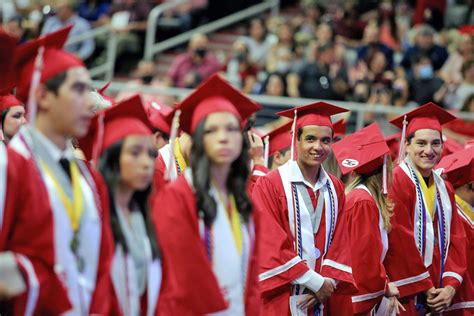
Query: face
(275, 86)
(425, 150)
(70, 110)
(14, 119)
(137, 161)
(314, 145)
(222, 138)
(280, 159)
(160, 140)
(378, 63)
(63, 10)
(256, 30)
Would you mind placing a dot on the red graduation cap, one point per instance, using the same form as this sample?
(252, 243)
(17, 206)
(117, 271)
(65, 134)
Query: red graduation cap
(362, 151)
(339, 128)
(279, 138)
(393, 142)
(7, 53)
(101, 91)
(212, 96)
(459, 167)
(55, 59)
(156, 115)
(109, 126)
(318, 113)
(7, 101)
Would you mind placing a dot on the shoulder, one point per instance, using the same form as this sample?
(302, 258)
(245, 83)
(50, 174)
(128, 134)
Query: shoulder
(338, 185)
(358, 197)
(399, 175)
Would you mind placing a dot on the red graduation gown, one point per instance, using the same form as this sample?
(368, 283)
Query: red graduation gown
(255, 174)
(366, 248)
(27, 231)
(277, 249)
(189, 286)
(403, 261)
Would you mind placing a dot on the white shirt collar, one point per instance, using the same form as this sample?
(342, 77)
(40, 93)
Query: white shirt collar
(295, 175)
(55, 152)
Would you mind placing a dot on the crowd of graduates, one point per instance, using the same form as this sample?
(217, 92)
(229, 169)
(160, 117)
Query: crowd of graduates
(130, 208)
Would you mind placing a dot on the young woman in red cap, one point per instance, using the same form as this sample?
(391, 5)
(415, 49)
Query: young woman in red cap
(368, 210)
(120, 143)
(12, 116)
(205, 220)
(425, 215)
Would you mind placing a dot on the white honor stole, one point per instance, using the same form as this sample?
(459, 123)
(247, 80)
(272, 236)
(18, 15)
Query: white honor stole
(422, 221)
(80, 285)
(230, 267)
(299, 216)
(165, 153)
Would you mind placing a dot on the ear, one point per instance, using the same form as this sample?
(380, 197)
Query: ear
(43, 97)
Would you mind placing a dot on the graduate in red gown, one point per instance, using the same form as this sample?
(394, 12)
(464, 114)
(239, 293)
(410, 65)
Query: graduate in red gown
(425, 216)
(368, 212)
(459, 170)
(12, 117)
(205, 221)
(303, 241)
(77, 195)
(126, 161)
(278, 142)
(160, 127)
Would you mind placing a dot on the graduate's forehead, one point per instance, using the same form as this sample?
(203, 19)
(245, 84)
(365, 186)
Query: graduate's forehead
(427, 135)
(316, 131)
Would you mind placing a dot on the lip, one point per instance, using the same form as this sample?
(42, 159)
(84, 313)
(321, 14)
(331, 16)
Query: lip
(224, 152)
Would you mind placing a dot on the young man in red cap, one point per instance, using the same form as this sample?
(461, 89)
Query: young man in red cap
(303, 255)
(425, 214)
(279, 142)
(459, 171)
(78, 197)
(12, 116)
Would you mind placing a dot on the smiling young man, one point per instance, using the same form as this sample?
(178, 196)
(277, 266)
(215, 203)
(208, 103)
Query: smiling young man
(77, 196)
(425, 208)
(302, 242)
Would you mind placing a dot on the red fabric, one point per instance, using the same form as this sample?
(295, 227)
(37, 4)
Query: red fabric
(277, 242)
(254, 178)
(465, 128)
(402, 243)
(7, 101)
(183, 283)
(28, 230)
(422, 5)
(366, 248)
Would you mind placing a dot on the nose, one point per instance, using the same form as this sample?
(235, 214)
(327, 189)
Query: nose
(223, 136)
(23, 120)
(146, 161)
(428, 149)
(317, 145)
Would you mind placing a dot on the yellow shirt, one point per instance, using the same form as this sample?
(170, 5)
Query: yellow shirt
(465, 207)
(179, 156)
(429, 193)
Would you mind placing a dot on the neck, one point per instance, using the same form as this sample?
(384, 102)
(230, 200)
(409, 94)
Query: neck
(46, 128)
(310, 174)
(219, 175)
(123, 196)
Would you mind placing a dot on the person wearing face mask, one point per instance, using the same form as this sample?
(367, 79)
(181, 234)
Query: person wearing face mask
(240, 71)
(194, 66)
(424, 83)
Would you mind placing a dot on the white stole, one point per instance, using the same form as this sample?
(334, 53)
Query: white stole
(288, 173)
(165, 153)
(423, 223)
(3, 180)
(125, 283)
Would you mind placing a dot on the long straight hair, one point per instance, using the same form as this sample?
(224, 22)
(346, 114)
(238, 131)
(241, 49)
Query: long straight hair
(374, 182)
(110, 169)
(236, 181)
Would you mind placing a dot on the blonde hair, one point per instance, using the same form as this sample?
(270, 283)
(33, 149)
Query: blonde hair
(374, 182)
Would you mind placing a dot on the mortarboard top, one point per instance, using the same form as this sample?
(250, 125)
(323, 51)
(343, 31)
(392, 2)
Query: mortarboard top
(213, 96)
(126, 118)
(318, 113)
(55, 59)
(7, 53)
(458, 167)
(428, 116)
(339, 128)
(362, 151)
(156, 115)
(279, 138)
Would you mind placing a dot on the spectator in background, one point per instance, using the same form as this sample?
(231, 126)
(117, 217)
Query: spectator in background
(424, 44)
(275, 85)
(259, 42)
(461, 130)
(65, 15)
(371, 42)
(324, 34)
(189, 69)
(389, 30)
(451, 71)
(456, 95)
(350, 27)
(93, 10)
(424, 84)
(281, 56)
(14, 26)
(319, 76)
(240, 71)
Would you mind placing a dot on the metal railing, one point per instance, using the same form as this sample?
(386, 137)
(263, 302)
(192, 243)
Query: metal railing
(152, 48)
(283, 102)
(107, 69)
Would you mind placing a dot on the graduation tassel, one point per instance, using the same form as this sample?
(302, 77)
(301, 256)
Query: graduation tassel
(401, 152)
(99, 140)
(173, 134)
(385, 174)
(293, 138)
(35, 81)
(266, 143)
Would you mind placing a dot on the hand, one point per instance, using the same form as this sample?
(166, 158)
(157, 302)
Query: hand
(256, 148)
(442, 299)
(392, 290)
(395, 305)
(325, 291)
(308, 301)
(4, 292)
